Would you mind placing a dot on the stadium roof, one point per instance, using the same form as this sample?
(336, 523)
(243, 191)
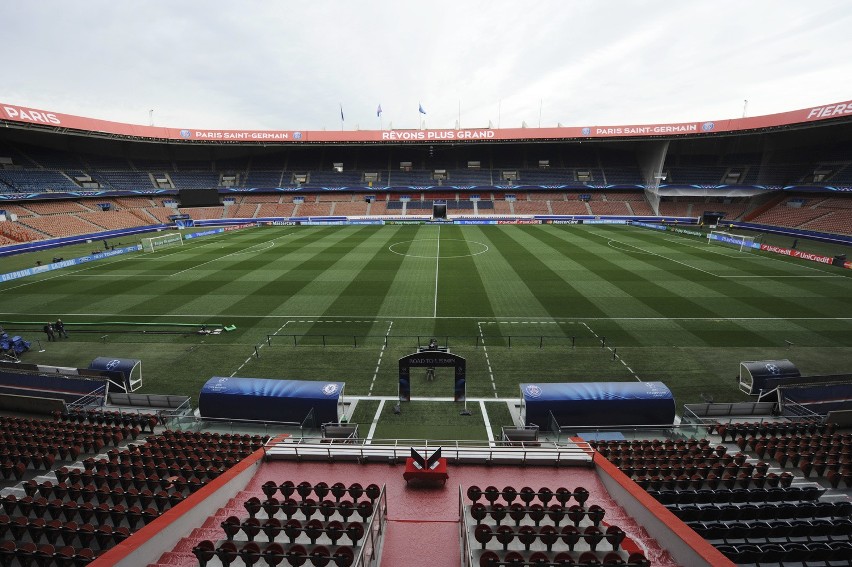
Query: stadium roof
(17, 116)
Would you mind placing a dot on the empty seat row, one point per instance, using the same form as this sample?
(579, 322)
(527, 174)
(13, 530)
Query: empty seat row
(824, 529)
(766, 511)
(770, 429)
(537, 512)
(42, 531)
(548, 536)
(293, 529)
(104, 417)
(738, 495)
(492, 558)
(27, 552)
(307, 508)
(273, 554)
(321, 489)
(789, 553)
(102, 512)
(527, 494)
(102, 487)
(713, 481)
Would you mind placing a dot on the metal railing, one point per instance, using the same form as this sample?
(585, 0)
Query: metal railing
(421, 341)
(397, 450)
(375, 530)
(195, 423)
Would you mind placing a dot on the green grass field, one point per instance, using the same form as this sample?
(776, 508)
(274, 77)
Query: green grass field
(521, 303)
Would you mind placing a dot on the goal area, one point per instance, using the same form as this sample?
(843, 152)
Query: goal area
(156, 242)
(729, 239)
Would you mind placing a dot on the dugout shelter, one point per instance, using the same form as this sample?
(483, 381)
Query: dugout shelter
(759, 377)
(590, 404)
(262, 399)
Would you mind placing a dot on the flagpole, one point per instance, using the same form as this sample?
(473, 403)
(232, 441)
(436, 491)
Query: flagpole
(499, 110)
(459, 114)
(540, 102)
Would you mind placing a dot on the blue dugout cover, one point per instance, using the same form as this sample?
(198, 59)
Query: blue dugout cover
(261, 399)
(597, 403)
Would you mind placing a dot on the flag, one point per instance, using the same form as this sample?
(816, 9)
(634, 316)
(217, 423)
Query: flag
(379, 111)
(341, 112)
(420, 109)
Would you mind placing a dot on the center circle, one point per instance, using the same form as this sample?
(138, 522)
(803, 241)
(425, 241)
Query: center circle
(428, 248)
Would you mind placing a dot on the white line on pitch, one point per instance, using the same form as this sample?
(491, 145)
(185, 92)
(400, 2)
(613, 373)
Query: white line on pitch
(487, 422)
(246, 251)
(437, 262)
(379, 363)
(487, 360)
(373, 425)
(614, 353)
(258, 348)
(417, 317)
(743, 256)
(610, 240)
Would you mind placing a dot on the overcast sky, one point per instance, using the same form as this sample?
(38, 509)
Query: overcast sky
(290, 65)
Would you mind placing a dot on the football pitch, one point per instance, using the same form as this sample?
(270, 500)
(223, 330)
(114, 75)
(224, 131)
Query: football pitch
(539, 303)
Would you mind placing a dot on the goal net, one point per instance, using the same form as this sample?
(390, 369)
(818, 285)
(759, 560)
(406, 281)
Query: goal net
(728, 239)
(156, 242)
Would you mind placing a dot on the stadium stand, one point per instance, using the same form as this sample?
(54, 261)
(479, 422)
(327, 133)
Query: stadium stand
(60, 225)
(200, 213)
(55, 207)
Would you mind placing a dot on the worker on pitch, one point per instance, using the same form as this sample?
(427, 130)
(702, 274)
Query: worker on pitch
(48, 330)
(60, 329)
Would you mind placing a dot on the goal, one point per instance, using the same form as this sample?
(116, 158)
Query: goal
(736, 240)
(157, 242)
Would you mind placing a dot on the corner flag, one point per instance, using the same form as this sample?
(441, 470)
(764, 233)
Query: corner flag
(420, 108)
(379, 111)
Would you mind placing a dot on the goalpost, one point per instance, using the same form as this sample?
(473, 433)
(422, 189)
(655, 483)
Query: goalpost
(737, 240)
(156, 242)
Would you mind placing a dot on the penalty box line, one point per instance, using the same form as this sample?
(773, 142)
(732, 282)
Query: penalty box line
(312, 321)
(257, 348)
(615, 354)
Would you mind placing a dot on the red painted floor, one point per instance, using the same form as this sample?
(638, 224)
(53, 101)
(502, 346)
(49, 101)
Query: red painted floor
(423, 522)
(423, 527)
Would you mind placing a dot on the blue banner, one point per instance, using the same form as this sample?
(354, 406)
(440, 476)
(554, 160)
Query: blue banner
(66, 263)
(733, 240)
(203, 233)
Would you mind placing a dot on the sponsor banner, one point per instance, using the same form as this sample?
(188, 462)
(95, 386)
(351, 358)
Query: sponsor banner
(471, 221)
(685, 231)
(323, 223)
(732, 240)
(649, 225)
(605, 221)
(566, 221)
(797, 254)
(231, 227)
(66, 263)
(398, 222)
(365, 221)
(203, 233)
(26, 115)
(519, 221)
(283, 223)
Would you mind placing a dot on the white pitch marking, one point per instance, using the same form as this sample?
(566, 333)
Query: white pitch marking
(258, 348)
(437, 263)
(379, 363)
(372, 430)
(487, 360)
(488, 430)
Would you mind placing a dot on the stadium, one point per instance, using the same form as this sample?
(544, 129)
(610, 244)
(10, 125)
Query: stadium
(342, 347)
